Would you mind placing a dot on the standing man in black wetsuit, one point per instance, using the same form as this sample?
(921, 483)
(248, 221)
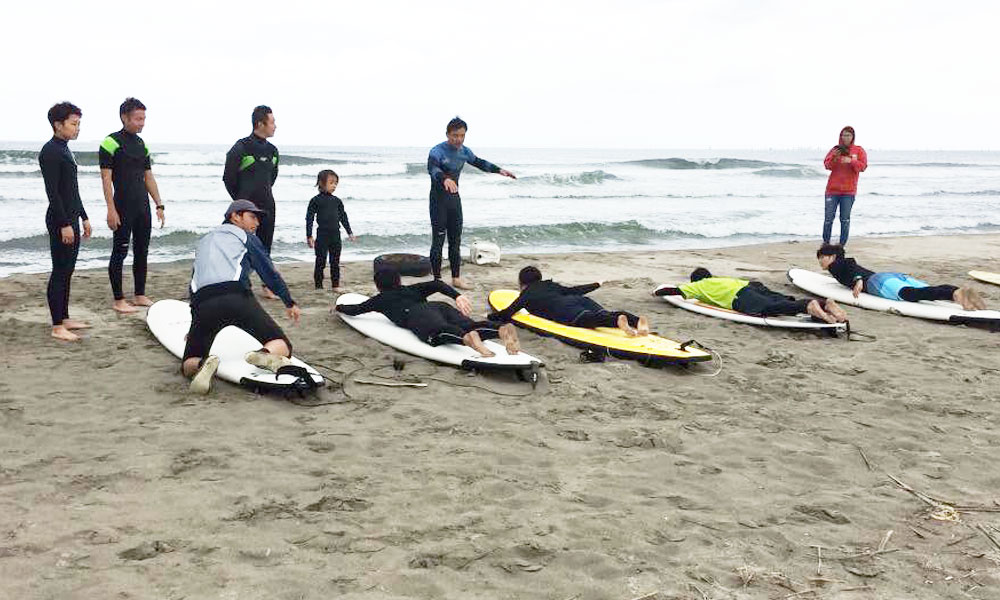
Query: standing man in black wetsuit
(444, 164)
(62, 219)
(251, 168)
(128, 182)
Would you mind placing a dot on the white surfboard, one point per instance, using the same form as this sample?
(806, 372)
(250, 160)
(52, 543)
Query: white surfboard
(986, 276)
(378, 327)
(803, 321)
(937, 310)
(170, 320)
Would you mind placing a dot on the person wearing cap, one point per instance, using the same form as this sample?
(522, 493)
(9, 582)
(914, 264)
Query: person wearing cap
(221, 296)
(845, 161)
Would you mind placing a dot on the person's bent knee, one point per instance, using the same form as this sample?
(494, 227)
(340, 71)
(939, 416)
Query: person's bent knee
(280, 346)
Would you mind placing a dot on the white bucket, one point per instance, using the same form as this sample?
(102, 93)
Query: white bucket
(484, 253)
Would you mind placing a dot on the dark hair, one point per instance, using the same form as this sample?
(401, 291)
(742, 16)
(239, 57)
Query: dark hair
(130, 105)
(260, 114)
(324, 175)
(456, 124)
(529, 275)
(700, 273)
(851, 129)
(62, 111)
(387, 279)
(830, 250)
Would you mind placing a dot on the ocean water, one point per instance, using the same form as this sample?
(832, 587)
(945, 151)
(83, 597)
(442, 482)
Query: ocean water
(563, 200)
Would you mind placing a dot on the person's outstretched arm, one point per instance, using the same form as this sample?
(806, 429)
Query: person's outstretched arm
(261, 263)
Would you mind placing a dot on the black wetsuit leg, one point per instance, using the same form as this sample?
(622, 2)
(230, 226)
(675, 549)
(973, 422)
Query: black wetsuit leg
(437, 323)
(446, 222)
(63, 264)
(142, 228)
(265, 231)
(756, 299)
(333, 248)
(603, 318)
(321, 251)
(936, 292)
(119, 250)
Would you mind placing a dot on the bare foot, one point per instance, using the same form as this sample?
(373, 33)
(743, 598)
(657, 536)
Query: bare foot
(142, 301)
(460, 284)
(814, 309)
(642, 327)
(124, 307)
(624, 326)
(976, 299)
(508, 335)
(475, 342)
(834, 309)
(71, 324)
(268, 294)
(61, 333)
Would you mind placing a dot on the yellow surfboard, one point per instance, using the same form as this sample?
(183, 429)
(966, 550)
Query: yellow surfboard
(648, 348)
(986, 276)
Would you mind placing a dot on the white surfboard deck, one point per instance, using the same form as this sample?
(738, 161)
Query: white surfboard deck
(803, 321)
(378, 327)
(936, 310)
(170, 320)
(986, 276)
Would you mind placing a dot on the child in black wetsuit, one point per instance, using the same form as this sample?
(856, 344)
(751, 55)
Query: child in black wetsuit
(330, 215)
(435, 323)
(567, 305)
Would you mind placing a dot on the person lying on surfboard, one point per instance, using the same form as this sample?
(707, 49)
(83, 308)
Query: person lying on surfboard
(750, 297)
(567, 305)
(891, 285)
(221, 296)
(434, 323)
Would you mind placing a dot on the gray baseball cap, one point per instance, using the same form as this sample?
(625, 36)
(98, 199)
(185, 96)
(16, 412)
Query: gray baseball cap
(237, 206)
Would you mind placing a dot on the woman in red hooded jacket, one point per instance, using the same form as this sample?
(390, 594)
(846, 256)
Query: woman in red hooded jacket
(845, 161)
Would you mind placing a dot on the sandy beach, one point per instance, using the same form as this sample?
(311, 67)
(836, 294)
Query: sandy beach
(771, 479)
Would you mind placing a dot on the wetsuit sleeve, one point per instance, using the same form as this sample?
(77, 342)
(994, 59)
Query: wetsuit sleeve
(231, 172)
(343, 217)
(861, 163)
(438, 175)
(505, 315)
(310, 214)
(482, 165)
(428, 288)
(262, 264)
(580, 290)
(149, 160)
(51, 174)
(828, 161)
(372, 304)
(274, 172)
(847, 271)
(106, 153)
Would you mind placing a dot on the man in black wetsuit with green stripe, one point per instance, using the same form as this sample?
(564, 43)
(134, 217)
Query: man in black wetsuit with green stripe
(128, 182)
(251, 169)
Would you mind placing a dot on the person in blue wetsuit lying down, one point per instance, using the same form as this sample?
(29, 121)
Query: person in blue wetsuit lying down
(567, 305)
(894, 286)
(434, 323)
(751, 297)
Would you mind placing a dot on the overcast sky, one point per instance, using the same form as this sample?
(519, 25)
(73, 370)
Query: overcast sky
(697, 74)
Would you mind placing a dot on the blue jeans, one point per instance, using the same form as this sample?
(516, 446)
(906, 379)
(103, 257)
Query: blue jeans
(832, 202)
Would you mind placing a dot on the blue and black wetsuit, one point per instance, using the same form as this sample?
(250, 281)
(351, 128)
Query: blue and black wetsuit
(566, 305)
(127, 156)
(329, 213)
(890, 285)
(445, 162)
(65, 209)
(251, 169)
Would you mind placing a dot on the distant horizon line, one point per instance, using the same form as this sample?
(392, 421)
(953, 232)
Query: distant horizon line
(97, 141)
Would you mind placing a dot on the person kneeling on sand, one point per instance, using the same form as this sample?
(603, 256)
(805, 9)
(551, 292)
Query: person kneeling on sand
(567, 305)
(751, 297)
(434, 323)
(891, 285)
(221, 296)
